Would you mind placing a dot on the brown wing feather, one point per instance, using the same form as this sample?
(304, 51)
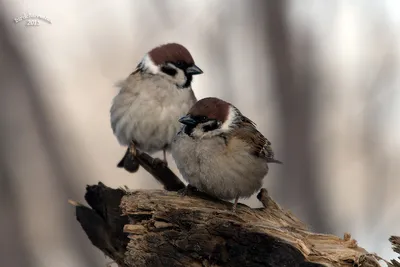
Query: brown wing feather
(259, 145)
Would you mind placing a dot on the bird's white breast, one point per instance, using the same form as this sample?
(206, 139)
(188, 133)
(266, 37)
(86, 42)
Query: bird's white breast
(147, 111)
(208, 165)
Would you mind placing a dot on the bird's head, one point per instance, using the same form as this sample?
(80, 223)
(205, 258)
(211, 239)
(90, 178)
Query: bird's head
(209, 117)
(173, 62)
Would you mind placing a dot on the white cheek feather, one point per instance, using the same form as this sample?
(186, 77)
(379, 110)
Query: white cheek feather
(148, 64)
(231, 117)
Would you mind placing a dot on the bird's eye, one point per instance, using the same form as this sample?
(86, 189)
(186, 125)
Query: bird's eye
(203, 118)
(168, 70)
(179, 63)
(200, 119)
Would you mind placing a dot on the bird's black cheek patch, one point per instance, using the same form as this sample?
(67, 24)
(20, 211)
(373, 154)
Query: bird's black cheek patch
(211, 126)
(188, 82)
(169, 71)
(188, 129)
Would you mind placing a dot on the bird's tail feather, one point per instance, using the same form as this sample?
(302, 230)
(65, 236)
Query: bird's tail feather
(128, 162)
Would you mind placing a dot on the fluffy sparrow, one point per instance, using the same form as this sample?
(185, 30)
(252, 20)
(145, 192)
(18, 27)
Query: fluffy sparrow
(145, 112)
(220, 152)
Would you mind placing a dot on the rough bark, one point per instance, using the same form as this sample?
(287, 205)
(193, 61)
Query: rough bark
(395, 240)
(295, 84)
(163, 228)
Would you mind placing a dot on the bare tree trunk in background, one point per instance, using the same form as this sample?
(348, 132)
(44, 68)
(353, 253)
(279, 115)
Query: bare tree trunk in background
(14, 251)
(217, 42)
(295, 88)
(378, 160)
(15, 78)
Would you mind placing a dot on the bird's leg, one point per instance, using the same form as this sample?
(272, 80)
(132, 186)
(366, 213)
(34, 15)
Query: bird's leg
(132, 148)
(165, 156)
(235, 204)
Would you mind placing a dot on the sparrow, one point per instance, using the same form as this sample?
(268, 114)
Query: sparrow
(220, 152)
(145, 112)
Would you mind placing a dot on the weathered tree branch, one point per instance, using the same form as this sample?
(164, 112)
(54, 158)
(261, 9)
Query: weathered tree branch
(395, 240)
(160, 172)
(162, 228)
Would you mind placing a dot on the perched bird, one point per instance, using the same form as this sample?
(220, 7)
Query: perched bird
(145, 112)
(220, 152)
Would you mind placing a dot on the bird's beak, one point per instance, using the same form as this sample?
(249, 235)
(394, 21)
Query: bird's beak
(194, 70)
(187, 120)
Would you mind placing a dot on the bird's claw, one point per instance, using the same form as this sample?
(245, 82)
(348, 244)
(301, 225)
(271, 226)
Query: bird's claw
(187, 190)
(233, 208)
(132, 149)
(183, 192)
(160, 162)
(235, 205)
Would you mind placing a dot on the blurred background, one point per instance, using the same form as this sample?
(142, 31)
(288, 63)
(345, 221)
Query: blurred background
(320, 78)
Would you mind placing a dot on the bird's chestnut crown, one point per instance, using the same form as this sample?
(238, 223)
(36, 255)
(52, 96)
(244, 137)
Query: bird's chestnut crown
(211, 114)
(173, 61)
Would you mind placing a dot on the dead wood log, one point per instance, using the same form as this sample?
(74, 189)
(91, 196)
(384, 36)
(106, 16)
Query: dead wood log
(395, 240)
(162, 228)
